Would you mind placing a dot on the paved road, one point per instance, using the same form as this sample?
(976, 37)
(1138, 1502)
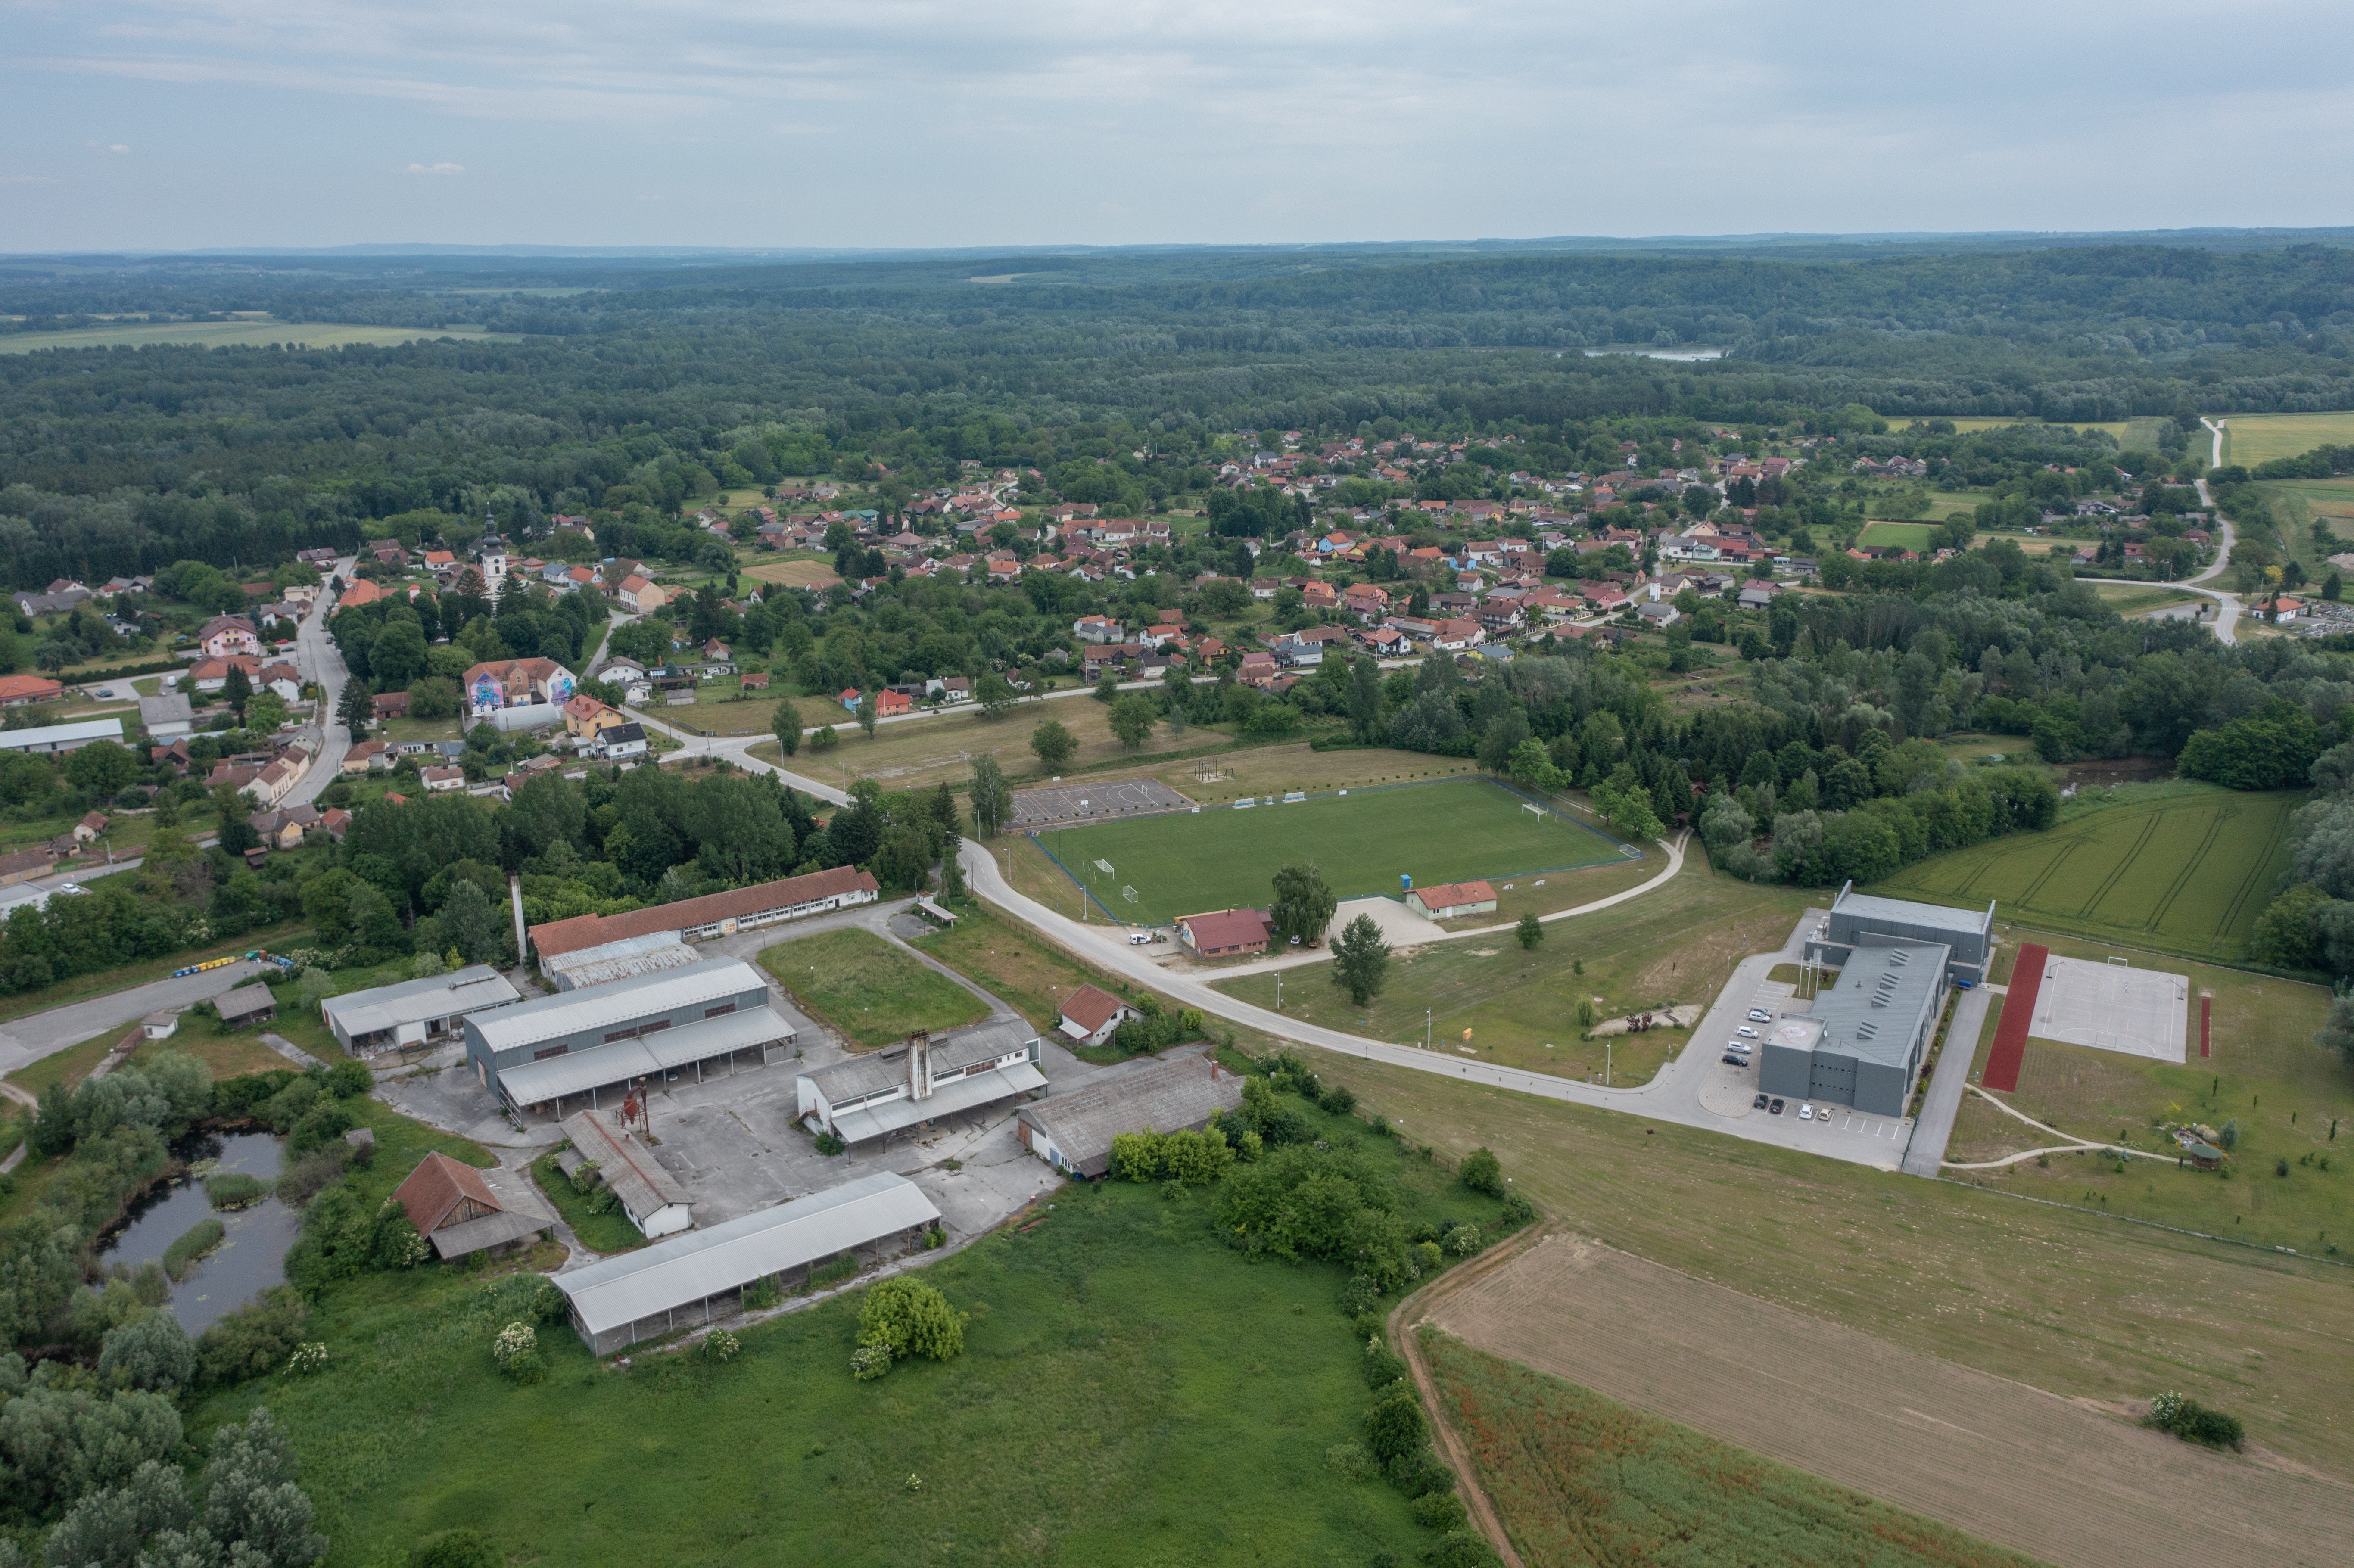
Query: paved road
(317, 656)
(1662, 1099)
(1935, 1127)
(26, 1040)
(2227, 605)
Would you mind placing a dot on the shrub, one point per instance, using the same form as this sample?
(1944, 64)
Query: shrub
(1438, 1510)
(719, 1347)
(1339, 1099)
(252, 1339)
(829, 1144)
(516, 1350)
(309, 1357)
(1350, 1461)
(868, 1363)
(1417, 1471)
(235, 1190)
(1427, 1259)
(912, 1318)
(1483, 1172)
(1384, 1366)
(1395, 1424)
(1462, 1549)
(302, 1181)
(201, 1238)
(153, 1353)
(349, 1078)
(456, 1549)
(1518, 1210)
(2194, 1422)
(762, 1293)
(323, 1123)
(1363, 1295)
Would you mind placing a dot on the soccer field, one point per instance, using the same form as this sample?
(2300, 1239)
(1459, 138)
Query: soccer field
(1225, 858)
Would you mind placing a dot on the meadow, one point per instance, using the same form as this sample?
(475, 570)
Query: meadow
(1676, 944)
(1452, 831)
(233, 335)
(2292, 1101)
(1131, 1392)
(918, 752)
(1917, 537)
(2180, 867)
(1581, 1480)
(2252, 439)
(872, 991)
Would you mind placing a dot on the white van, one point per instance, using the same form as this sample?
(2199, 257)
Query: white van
(1141, 938)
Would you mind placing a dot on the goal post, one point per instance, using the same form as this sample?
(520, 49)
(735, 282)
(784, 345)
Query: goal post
(1533, 808)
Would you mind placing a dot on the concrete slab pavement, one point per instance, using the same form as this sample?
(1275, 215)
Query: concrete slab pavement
(1926, 1154)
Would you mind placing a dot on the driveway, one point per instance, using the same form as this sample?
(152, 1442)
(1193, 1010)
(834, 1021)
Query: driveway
(1935, 1127)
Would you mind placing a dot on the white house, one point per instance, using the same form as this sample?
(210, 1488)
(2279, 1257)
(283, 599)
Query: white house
(1091, 1016)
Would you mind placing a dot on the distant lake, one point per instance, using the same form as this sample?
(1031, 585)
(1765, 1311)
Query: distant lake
(1683, 354)
(251, 1258)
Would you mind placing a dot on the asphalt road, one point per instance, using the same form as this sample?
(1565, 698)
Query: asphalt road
(317, 656)
(26, 1040)
(1934, 1129)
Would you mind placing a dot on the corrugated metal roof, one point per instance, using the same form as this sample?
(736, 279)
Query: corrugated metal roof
(1905, 911)
(413, 1002)
(1165, 1095)
(567, 1012)
(59, 734)
(629, 957)
(577, 1071)
(579, 931)
(627, 1166)
(982, 1041)
(945, 1100)
(618, 1292)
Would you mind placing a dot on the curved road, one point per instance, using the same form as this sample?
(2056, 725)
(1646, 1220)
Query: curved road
(2227, 605)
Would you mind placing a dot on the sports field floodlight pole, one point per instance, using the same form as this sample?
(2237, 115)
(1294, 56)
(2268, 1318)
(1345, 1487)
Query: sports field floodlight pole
(1279, 990)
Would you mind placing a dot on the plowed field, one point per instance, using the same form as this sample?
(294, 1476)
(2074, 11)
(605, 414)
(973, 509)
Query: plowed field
(2062, 1481)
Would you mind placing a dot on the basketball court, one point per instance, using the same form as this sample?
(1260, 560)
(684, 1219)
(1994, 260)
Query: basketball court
(2111, 1007)
(1068, 803)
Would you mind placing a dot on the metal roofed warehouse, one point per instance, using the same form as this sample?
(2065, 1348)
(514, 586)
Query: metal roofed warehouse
(618, 1300)
(1864, 1040)
(411, 1013)
(1968, 932)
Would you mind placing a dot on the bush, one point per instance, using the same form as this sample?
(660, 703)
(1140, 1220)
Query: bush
(235, 1190)
(1483, 1172)
(1462, 1549)
(1384, 1366)
(302, 1181)
(323, 1123)
(1363, 1295)
(309, 1357)
(456, 1549)
(154, 1353)
(719, 1347)
(762, 1293)
(1438, 1510)
(516, 1352)
(1418, 1471)
(252, 1339)
(349, 1078)
(912, 1318)
(2194, 1422)
(1350, 1461)
(868, 1363)
(1518, 1210)
(829, 1144)
(1339, 1099)
(1395, 1424)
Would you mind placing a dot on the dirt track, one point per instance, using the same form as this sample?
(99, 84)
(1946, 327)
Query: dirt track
(2067, 1482)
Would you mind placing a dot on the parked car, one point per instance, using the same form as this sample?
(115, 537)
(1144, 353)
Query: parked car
(1776, 1108)
(1757, 1104)
(1733, 1061)
(1747, 1032)
(1806, 1113)
(1759, 1015)
(1141, 938)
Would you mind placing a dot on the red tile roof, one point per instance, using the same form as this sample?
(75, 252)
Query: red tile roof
(1091, 1008)
(441, 1190)
(1455, 895)
(559, 937)
(1223, 929)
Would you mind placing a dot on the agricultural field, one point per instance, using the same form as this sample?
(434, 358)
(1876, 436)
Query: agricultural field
(2047, 1478)
(2079, 1304)
(1581, 1480)
(2252, 439)
(793, 570)
(2127, 431)
(237, 333)
(2180, 867)
(1677, 943)
(1132, 1391)
(872, 991)
(1917, 537)
(2287, 1095)
(1450, 831)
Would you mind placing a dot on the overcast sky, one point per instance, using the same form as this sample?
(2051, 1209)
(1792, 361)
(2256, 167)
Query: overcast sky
(174, 124)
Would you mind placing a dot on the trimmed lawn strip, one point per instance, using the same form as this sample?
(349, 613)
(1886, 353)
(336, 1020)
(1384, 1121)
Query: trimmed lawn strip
(1132, 1392)
(870, 990)
(71, 1065)
(1580, 1478)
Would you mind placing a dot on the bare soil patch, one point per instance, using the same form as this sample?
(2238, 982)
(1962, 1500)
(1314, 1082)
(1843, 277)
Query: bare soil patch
(2062, 1479)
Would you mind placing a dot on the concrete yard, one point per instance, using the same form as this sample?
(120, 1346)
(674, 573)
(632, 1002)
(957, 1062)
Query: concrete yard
(1079, 802)
(2113, 1007)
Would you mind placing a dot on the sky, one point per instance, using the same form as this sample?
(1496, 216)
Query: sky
(170, 124)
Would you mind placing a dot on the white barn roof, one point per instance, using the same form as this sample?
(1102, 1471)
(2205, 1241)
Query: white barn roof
(79, 733)
(416, 1000)
(618, 1292)
(569, 1011)
(649, 1056)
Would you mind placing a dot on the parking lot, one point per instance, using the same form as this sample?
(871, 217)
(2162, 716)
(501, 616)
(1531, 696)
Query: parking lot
(1053, 804)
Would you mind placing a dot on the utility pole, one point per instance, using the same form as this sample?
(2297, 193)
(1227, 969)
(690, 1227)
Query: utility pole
(1279, 990)
(1425, 1029)
(1605, 1063)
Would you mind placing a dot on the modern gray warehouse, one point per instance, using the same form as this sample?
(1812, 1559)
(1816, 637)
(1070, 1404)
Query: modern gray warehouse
(1863, 1041)
(1968, 933)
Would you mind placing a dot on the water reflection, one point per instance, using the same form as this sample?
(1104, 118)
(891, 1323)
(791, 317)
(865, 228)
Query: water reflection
(250, 1257)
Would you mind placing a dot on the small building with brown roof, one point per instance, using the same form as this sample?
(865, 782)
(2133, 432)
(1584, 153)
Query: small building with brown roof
(1091, 1016)
(1447, 900)
(1224, 933)
(454, 1209)
(713, 915)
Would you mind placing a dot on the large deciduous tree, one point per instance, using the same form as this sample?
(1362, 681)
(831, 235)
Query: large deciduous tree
(1302, 906)
(1360, 960)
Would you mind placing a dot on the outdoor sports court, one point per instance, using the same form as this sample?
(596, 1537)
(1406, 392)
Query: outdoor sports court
(2113, 1007)
(1151, 869)
(1078, 802)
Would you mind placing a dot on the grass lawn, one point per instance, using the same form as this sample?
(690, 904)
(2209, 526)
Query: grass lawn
(2252, 439)
(2075, 1303)
(2130, 599)
(871, 990)
(68, 1067)
(1676, 945)
(1580, 1479)
(241, 334)
(1450, 831)
(1131, 1392)
(81, 987)
(610, 1231)
(2180, 867)
(919, 753)
(2267, 1073)
(228, 1055)
(1920, 537)
(1265, 770)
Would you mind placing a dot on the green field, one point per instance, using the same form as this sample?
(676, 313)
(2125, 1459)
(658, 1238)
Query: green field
(1579, 1479)
(2182, 868)
(875, 992)
(227, 335)
(1453, 831)
(1920, 537)
(2122, 430)
(1132, 1391)
(2252, 439)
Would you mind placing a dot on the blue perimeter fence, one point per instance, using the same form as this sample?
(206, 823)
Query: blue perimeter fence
(1626, 851)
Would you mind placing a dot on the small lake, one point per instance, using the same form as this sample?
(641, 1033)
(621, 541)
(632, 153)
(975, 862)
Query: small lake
(251, 1258)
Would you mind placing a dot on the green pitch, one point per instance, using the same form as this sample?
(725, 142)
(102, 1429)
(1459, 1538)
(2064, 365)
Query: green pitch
(1223, 858)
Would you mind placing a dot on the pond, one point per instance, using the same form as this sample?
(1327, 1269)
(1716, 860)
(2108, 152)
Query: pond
(251, 1258)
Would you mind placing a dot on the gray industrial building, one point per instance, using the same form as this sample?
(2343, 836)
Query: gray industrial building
(1073, 1131)
(649, 1029)
(1968, 933)
(415, 1011)
(1862, 1042)
(923, 1080)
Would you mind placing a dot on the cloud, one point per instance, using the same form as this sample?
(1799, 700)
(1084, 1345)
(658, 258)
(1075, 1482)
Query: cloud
(437, 168)
(107, 147)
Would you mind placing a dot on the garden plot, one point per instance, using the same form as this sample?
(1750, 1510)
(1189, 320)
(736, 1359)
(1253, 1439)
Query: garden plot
(2113, 1007)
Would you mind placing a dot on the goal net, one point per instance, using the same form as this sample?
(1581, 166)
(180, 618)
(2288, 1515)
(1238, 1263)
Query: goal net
(1533, 808)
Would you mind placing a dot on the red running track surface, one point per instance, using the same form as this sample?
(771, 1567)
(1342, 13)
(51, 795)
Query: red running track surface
(2018, 1011)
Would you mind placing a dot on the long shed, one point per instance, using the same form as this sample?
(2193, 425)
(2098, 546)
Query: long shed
(617, 1301)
